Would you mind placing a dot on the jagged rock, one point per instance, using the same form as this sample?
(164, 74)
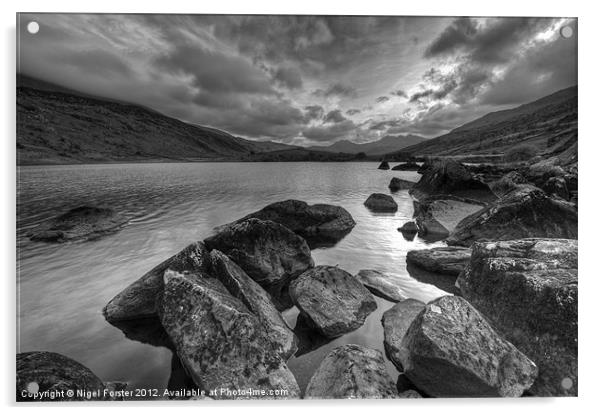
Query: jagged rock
(351, 372)
(271, 254)
(409, 166)
(451, 178)
(400, 184)
(382, 285)
(556, 186)
(257, 300)
(510, 181)
(80, 224)
(437, 216)
(450, 350)
(449, 260)
(528, 288)
(383, 166)
(141, 299)
(523, 213)
(219, 341)
(380, 202)
(396, 322)
(320, 224)
(52, 373)
(332, 299)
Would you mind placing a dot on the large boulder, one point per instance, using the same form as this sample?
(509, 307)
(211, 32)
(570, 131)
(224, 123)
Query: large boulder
(396, 321)
(397, 184)
(220, 342)
(81, 223)
(557, 186)
(319, 224)
(523, 213)
(54, 377)
(438, 216)
(450, 350)
(383, 166)
(449, 260)
(270, 253)
(257, 300)
(450, 177)
(332, 299)
(528, 289)
(380, 202)
(351, 372)
(142, 298)
(382, 285)
(409, 166)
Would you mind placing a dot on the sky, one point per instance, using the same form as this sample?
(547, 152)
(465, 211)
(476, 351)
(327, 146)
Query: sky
(306, 80)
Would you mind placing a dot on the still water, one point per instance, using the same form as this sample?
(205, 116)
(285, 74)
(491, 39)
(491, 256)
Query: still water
(62, 288)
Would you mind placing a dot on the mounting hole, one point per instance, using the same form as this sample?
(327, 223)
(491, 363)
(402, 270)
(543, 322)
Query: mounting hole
(566, 32)
(33, 27)
(567, 383)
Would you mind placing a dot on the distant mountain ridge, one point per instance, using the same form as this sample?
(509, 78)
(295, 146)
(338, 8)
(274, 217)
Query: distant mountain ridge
(384, 145)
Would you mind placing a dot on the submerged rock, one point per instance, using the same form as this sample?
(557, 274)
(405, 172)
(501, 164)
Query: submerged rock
(81, 223)
(52, 373)
(257, 300)
(271, 254)
(451, 178)
(409, 166)
(449, 260)
(438, 216)
(380, 202)
(450, 350)
(219, 341)
(351, 372)
(396, 322)
(142, 298)
(383, 166)
(528, 288)
(523, 213)
(332, 299)
(382, 285)
(400, 184)
(319, 224)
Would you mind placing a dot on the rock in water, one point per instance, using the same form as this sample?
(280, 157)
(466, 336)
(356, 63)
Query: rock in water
(396, 322)
(400, 184)
(383, 166)
(271, 254)
(319, 224)
(449, 260)
(450, 350)
(81, 223)
(408, 228)
(380, 202)
(257, 300)
(528, 288)
(437, 216)
(54, 374)
(332, 299)
(409, 166)
(451, 178)
(522, 213)
(141, 299)
(351, 372)
(382, 285)
(219, 341)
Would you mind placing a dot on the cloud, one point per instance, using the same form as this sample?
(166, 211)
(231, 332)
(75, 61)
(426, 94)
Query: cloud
(337, 89)
(288, 77)
(459, 34)
(334, 116)
(382, 99)
(330, 131)
(314, 112)
(353, 111)
(399, 93)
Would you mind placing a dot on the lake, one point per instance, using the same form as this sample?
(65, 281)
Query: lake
(62, 288)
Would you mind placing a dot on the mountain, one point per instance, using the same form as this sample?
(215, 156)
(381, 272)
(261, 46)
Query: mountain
(56, 125)
(385, 145)
(548, 125)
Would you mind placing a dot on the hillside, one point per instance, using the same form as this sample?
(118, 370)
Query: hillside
(56, 125)
(548, 124)
(385, 145)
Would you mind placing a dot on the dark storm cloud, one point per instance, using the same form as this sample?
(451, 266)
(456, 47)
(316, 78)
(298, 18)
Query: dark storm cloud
(456, 35)
(334, 116)
(336, 89)
(382, 99)
(399, 93)
(314, 112)
(288, 77)
(353, 111)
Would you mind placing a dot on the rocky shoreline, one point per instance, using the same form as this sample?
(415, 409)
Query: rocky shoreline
(511, 331)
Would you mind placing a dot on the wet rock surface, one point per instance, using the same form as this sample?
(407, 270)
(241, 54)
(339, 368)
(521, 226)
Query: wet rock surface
(380, 202)
(79, 224)
(320, 224)
(528, 289)
(219, 340)
(438, 216)
(351, 372)
(396, 321)
(333, 300)
(397, 184)
(449, 260)
(450, 350)
(382, 285)
(522, 213)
